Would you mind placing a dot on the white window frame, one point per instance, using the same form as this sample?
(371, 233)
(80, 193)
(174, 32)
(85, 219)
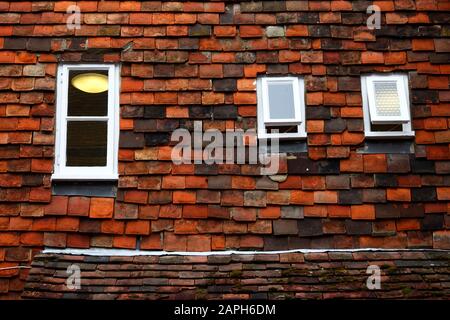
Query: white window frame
(263, 110)
(110, 171)
(368, 101)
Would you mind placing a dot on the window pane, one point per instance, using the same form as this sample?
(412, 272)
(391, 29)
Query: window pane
(86, 143)
(281, 100)
(396, 127)
(387, 100)
(282, 129)
(81, 103)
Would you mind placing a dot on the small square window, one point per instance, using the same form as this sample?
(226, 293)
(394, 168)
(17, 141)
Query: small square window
(87, 129)
(386, 106)
(281, 107)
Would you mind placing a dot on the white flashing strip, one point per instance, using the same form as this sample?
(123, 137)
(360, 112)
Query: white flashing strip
(131, 253)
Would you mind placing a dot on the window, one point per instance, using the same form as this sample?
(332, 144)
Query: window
(386, 106)
(87, 122)
(281, 108)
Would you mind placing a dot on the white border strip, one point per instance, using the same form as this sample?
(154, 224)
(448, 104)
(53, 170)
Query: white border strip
(132, 253)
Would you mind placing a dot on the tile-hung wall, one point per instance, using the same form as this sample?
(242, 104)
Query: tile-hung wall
(366, 159)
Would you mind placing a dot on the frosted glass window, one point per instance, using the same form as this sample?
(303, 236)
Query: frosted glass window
(387, 96)
(281, 101)
(386, 105)
(387, 100)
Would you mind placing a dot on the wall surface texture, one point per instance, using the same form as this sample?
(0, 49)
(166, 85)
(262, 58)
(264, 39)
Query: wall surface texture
(186, 61)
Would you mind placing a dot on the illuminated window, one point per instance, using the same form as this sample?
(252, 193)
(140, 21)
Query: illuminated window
(87, 122)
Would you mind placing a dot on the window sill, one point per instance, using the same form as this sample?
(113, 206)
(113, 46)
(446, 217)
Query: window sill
(288, 137)
(390, 135)
(61, 177)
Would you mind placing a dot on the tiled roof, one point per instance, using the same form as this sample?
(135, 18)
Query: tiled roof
(315, 275)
